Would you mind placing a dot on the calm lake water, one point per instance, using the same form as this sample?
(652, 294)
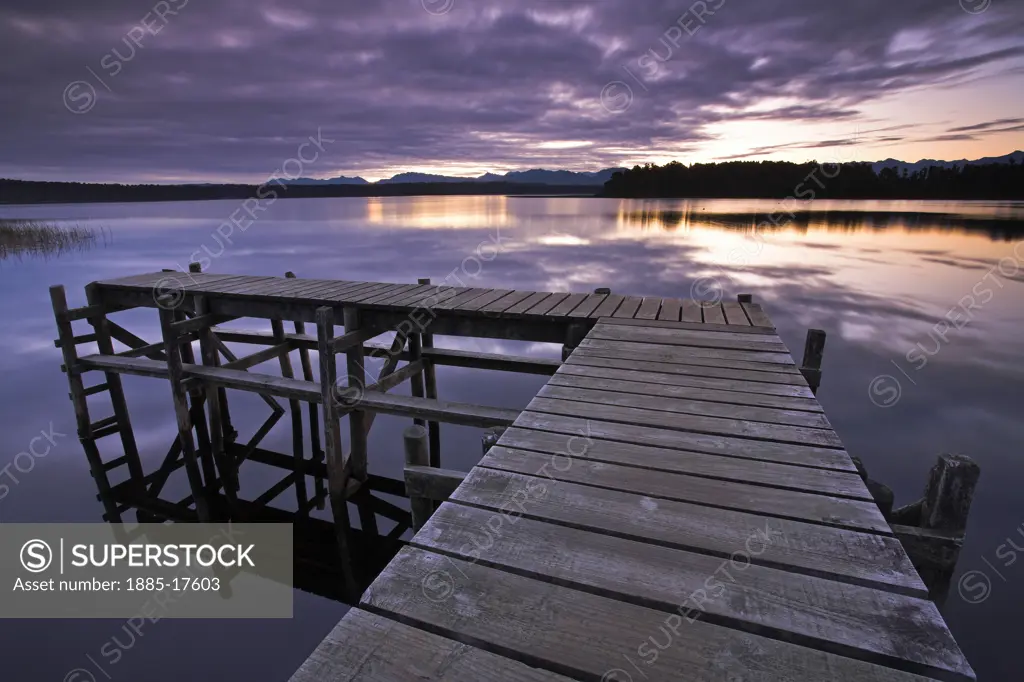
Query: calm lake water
(900, 385)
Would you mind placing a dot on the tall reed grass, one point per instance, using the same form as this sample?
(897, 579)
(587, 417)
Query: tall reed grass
(33, 238)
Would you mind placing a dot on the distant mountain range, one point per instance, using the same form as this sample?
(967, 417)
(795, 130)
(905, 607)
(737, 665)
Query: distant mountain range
(1015, 157)
(536, 176)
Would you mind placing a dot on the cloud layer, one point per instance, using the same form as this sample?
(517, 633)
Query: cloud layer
(178, 89)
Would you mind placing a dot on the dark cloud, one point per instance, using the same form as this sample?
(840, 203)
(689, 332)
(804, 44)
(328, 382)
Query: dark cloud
(999, 123)
(229, 89)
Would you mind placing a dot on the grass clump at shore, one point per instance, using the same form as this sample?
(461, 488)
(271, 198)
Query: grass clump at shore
(19, 237)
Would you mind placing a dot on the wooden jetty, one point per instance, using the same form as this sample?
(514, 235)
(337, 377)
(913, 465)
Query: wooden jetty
(672, 505)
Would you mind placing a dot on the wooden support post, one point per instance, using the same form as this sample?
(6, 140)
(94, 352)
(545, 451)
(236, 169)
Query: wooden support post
(430, 386)
(295, 409)
(113, 381)
(491, 437)
(313, 413)
(79, 400)
(197, 394)
(948, 495)
(358, 427)
(173, 350)
(224, 463)
(416, 381)
(814, 349)
(745, 298)
(356, 370)
(337, 469)
(417, 454)
(573, 335)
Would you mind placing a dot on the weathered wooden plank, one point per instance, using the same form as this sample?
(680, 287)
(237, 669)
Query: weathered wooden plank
(806, 479)
(341, 293)
(430, 482)
(505, 302)
(824, 458)
(757, 316)
(608, 307)
(645, 372)
(685, 338)
(490, 297)
(629, 306)
(429, 299)
(566, 305)
(734, 314)
(690, 365)
(404, 290)
(145, 279)
(528, 302)
(850, 556)
(692, 326)
(608, 395)
(582, 633)
(648, 310)
(736, 428)
(861, 515)
(622, 381)
(368, 293)
(848, 620)
(713, 313)
(670, 309)
(681, 354)
(589, 305)
(690, 311)
(465, 296)
(547, 304)
(365, 647)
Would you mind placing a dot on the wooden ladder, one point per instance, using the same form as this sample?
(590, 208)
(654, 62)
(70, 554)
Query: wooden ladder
(91, 431)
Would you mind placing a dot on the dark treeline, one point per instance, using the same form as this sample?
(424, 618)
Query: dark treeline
(35, 192)
(781, 179)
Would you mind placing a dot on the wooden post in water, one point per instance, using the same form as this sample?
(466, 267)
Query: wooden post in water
(355, 362)
(417, 454)
(314, 415)
(337, 471)
(173, 348)
(814, 350)
(573, 335)
(229, 431)
(430, 386)
(744, 298)
(491, 437)
(295, 410)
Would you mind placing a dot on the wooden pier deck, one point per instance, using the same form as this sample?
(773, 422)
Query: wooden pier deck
(673, 505)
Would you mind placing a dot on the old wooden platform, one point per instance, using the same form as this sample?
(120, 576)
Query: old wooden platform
(673, 505)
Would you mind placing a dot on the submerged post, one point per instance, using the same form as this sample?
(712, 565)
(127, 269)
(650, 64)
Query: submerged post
(337, 471)
(416, 454)
(314, 416)
(814, 350)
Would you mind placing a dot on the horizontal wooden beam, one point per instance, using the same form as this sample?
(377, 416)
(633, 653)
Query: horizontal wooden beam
(439, 356)
(259, 357)
(269, 384)
(432, 483)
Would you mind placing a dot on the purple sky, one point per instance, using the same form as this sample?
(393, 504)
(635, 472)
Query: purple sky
(229, 89)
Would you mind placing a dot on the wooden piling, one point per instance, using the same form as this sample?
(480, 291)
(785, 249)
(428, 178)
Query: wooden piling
(173, 350)
(814, 350)
(295, 410)
(744, 298)
(430, 386)
(490, 437)
(417, 454)
(573, 335)
(337, 469)
(312, 412)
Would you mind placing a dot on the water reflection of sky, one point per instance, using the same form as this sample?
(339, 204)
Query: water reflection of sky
(878, 292)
